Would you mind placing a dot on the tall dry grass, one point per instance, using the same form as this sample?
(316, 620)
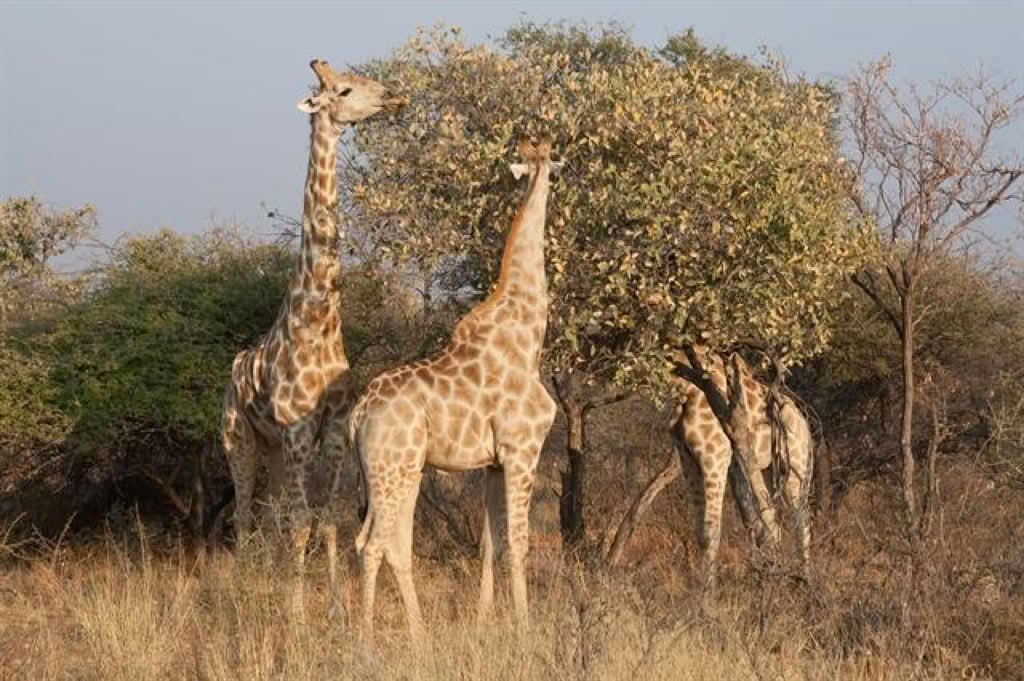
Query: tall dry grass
(117, 611)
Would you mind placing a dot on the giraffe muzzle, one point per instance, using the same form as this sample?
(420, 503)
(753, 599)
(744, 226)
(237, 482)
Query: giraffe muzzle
(393, 102)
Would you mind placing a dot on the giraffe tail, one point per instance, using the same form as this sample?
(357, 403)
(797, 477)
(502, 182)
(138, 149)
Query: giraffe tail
(365, 510)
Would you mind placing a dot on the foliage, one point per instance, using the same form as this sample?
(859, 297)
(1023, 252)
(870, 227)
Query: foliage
(28, 417)
(30, 235)
(129, 376)
(694, 201)
(147, 353)
(1006, 414)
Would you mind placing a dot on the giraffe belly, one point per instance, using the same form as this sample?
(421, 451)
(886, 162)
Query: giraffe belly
(471, 454)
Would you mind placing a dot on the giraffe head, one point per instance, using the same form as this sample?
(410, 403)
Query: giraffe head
(346, 97)
(534, 152)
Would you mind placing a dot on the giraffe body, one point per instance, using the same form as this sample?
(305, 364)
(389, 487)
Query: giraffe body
(284, 388)
(706, 453)
(480, 403)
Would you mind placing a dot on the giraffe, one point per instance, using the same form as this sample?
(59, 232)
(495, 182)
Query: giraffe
(479, 403)
(283, 388)
(706, 453)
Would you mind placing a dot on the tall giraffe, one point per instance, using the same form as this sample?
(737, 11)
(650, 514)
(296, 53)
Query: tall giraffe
(706, 452)
(284, 387)
(480, 403)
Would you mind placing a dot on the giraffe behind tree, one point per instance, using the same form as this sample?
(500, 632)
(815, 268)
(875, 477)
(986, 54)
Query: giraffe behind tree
(480, 403)
(706, 453)
(284, 387)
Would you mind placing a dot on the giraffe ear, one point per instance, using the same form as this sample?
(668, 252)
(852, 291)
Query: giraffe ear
(518, 169)
(308, 105)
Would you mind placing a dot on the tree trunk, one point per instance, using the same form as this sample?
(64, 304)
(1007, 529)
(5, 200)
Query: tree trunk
(197, 518)
(907, 425)
(571, 503)
(743, 495)
(576, 401)
(640, 505)
(931, 492)
(823, 479)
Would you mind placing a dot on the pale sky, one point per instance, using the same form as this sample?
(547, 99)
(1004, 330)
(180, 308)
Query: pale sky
(182, 114)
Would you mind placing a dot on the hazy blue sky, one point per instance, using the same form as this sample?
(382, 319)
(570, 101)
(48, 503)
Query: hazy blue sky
(177, 114)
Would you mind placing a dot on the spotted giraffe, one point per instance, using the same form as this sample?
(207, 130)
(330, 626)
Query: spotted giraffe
(283, 388)
(480, 403)
(706, 453)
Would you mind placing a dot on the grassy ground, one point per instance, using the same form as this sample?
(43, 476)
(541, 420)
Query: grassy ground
(116, 610)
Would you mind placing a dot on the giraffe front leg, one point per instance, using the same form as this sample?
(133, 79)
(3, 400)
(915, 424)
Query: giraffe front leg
(519, 472)
(797, 491)
(239, 447)
(694, 479)
(298, 441)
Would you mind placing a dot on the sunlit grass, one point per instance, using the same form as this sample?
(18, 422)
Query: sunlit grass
(116, 610)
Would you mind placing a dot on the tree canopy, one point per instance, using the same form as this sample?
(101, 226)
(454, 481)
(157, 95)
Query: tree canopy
(30, 235)
(696, 200)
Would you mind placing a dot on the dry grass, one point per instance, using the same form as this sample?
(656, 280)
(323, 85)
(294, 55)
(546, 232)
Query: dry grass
(116, 611)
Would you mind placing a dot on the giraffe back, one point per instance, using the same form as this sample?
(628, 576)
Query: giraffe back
(459, 406)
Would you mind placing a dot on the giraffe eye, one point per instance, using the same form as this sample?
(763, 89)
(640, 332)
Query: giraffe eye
(345, 92)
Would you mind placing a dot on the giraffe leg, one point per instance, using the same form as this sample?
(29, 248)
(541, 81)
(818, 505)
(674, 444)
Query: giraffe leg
(334, 449)
(378, 525)
(796, 491)
(695, 480)
(520, 468)
(772, 533)
(714, 476)
(491, 536)
(298, 441)
(399, 554)
(239, 445)
(370, 557)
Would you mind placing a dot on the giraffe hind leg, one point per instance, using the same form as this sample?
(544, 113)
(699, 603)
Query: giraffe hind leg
(398, 553)
(380, 538)
(333, 449)
(491, 538)
(797, 493)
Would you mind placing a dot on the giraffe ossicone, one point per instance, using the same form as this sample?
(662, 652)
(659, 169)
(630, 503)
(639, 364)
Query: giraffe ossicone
(283, 388)
(479, 403)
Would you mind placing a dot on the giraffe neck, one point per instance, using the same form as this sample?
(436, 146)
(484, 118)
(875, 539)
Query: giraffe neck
(319, 264)
(522, 265)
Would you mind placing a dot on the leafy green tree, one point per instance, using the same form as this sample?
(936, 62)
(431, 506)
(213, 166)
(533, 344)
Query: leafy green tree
(124, 383)
(127, 378)
(147, 353)
(31, 234)
(697, 203)
(32, 428)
